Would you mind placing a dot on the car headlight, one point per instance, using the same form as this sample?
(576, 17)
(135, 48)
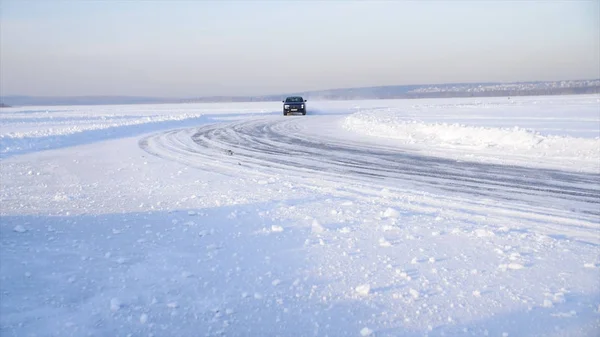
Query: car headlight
(286, 106)
(302, 106)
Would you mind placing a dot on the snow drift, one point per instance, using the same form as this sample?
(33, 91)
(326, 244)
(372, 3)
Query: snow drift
(475, 140)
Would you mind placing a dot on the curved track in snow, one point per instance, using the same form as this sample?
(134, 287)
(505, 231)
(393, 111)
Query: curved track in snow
(314, 148)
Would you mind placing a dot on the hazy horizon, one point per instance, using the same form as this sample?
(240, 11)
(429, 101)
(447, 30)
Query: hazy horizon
(245, 48)
(320, 90)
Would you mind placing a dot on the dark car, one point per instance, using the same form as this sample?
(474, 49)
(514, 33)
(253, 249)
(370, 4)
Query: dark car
(294, 104)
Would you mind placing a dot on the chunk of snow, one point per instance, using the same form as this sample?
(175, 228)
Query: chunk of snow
(414, 293)
(547, 303)
(515, 266)
(143, 318)
(384, 243)
(514, 256)
(366, 332)
(316, 227)
(363, 289)
(482, 233)
(276, 228)
(391, 213)
(402, 274)
(559, 298)
(387, 228)
(115, 304)
(20, 229)
(571, 313)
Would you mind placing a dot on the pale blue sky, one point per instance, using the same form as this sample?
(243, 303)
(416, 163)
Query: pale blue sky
(198, 48)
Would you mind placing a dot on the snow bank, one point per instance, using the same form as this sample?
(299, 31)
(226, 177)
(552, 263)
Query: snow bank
(489, 140)
(69, 127)
(27, 130)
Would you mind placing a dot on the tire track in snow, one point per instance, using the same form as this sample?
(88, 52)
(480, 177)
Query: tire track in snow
(281, 145)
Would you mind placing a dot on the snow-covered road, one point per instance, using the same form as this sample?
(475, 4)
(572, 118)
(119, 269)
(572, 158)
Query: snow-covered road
(363, 217)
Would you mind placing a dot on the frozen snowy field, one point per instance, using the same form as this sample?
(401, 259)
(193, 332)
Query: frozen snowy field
(441, 217)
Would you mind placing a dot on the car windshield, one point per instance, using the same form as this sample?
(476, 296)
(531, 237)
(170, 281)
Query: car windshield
(294, 99)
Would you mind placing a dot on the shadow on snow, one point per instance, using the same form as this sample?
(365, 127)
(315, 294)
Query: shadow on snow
(166, 273)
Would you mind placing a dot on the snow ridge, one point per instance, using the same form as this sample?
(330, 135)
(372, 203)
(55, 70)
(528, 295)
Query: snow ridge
(499, 141)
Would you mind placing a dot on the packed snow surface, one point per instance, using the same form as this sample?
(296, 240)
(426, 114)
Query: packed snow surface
(440, 217)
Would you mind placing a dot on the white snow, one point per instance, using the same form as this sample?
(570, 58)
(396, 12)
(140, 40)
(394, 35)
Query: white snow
(414, 293)
(276, 228)
(366, 331)
(317, 227)
(383, 242)
(439, 217)
(20, 229)
(115, 304)
(563, 134)
(391, 213)
(363, 289)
